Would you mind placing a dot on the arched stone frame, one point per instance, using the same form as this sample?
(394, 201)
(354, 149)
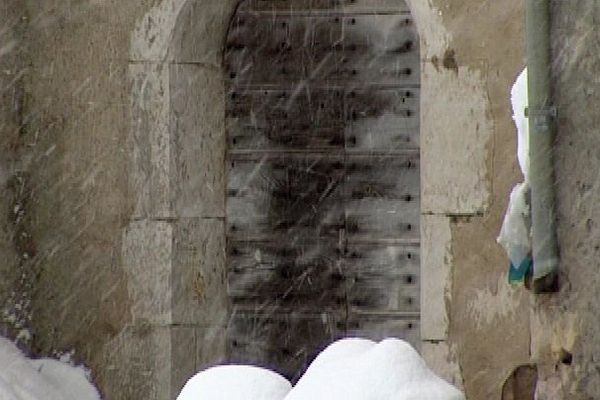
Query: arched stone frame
(173, 247)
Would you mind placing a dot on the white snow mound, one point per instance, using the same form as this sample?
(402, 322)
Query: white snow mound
(235, 382)
(515, 235)
(519, 100)
(359, 369)
(43, 379)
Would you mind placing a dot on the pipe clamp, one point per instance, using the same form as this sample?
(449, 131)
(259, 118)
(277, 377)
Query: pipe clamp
(541, 117)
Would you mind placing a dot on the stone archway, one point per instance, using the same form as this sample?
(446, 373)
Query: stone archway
(174, 246)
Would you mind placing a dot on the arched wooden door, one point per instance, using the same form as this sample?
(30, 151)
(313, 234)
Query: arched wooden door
(323, 176)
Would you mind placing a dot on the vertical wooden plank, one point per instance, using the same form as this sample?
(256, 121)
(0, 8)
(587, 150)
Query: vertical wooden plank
(303, 276)
(382, 277)
(285, 342)
(323, 177)
(292, 5)
(266, 119)
(382, 120)
(377, 6)
(378, 326)
(295, 195)
(382, 198)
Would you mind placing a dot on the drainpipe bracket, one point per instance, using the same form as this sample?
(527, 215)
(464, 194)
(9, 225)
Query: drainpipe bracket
(541, 116)
(549, 111)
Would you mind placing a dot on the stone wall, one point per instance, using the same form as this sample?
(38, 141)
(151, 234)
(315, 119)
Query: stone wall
(117, 173)
(565, 329)
(473, 53)
(75, 161)
(13, 68)
(113, 142)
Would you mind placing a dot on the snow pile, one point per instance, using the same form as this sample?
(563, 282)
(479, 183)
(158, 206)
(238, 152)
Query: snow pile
(349, 369)
(515, 235)
(43, 379)
(359, 369)
(518, 98)
(235, 382)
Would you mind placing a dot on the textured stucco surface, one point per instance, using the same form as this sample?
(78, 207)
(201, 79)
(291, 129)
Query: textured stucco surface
(77, 162)
(473, 53)
(567, 322)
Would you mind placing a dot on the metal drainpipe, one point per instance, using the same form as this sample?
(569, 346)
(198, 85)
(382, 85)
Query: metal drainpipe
(541, 113)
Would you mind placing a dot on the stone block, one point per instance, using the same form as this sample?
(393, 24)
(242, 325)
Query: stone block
(176, 271)
(147, 262)
(182, 31)
(199, 32)
(177, 141)
(193, 350)
(152, 34)
(150, 140)
(197, 141)
(148, 361)
(199, 287)
(436, 264)
(211, 346)
(183, 361)
(455, 131)
(441, 360)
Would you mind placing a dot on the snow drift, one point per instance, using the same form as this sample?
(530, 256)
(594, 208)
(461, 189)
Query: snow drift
(359, 369)
(235, 382)
(349, 369)
(42, 379)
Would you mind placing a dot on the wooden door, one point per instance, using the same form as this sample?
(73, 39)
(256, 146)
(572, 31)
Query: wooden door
(323, 177)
